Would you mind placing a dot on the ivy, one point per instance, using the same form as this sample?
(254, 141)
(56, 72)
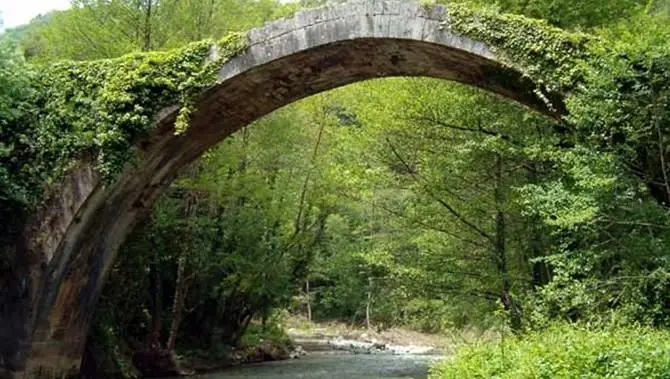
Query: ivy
(96, 109)
(102, 106)
(552, 58)
(90, 110)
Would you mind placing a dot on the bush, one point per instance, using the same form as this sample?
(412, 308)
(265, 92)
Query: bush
(256, 334)
(565, 351)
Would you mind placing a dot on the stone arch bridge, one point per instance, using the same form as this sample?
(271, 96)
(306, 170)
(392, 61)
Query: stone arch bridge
(72, 241)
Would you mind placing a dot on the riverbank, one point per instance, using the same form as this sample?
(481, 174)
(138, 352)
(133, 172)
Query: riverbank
(259, 344)
(361, 341)
(266, 351)
(296, 338)
(335, 335)
(330, 344)
(335, 350)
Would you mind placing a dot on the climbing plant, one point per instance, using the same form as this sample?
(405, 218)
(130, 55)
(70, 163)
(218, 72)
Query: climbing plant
(97, 108)
(551, 57)
(56, 115)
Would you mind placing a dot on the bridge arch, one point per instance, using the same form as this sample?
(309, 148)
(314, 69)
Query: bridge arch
(73, 241)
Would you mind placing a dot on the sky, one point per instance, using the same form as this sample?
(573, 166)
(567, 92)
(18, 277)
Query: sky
(18, 12)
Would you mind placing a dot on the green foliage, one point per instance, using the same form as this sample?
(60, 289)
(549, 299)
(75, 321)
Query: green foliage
(98, 108)
(549, 56)
(429, 208)
(272, 332)
(15, 92)
(83, 32)
(103, 105)
(15, 78)
(234, 237)
(615, 267)
(587, 181)
(97, 29)
(110, 354)
(623, 104)
(565, 351)
(610, 231)
(571, 13)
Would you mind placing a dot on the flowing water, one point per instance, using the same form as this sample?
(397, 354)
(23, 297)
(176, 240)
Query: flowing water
(334, 366)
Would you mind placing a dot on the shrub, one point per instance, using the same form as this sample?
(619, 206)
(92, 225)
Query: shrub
(565, 351)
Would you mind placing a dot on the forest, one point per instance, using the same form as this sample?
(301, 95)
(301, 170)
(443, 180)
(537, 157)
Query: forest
(403, 202)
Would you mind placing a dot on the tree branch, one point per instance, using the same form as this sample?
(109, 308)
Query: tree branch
(440, 201)
(478, 129)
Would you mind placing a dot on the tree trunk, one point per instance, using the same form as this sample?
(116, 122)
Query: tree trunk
(499, 242)
(155, 292)
(181, 287)
(309, 302)
(305, 184)
(146, 43)
(368, 304)
(538, 269)
(500, 248)
(206, 26)
(177, 309)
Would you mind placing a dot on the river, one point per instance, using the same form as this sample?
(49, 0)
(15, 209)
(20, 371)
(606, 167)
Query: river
(334, 366)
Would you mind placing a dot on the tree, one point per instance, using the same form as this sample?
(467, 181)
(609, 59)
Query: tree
(94, 29)
(15, 92)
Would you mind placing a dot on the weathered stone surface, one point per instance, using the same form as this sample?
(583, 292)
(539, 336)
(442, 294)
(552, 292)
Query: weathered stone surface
(73, 243)
(43, 234)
